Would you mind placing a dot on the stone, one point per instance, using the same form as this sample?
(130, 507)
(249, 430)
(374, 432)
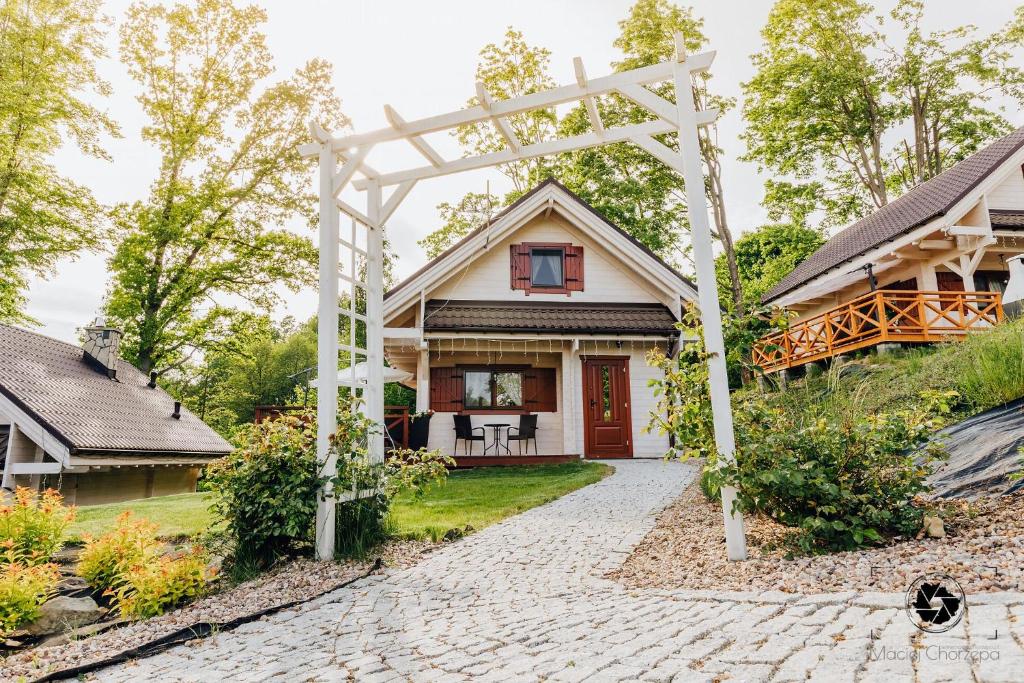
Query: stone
(932, 528)
(64, 613)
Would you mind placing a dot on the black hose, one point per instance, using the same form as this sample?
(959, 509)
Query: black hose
(188, 633)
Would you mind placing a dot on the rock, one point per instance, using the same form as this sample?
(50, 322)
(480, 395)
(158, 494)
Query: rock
(933, 528)
(63, 613)
(74, 587)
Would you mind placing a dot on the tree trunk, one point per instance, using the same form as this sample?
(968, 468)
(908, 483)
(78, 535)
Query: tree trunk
(716, 195)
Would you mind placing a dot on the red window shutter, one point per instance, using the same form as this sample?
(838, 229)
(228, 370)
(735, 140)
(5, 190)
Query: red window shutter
(446, 390)
(519, 270)
(574, 268)
(539, 391)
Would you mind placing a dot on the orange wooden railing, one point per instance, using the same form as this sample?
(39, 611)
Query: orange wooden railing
(884, 316)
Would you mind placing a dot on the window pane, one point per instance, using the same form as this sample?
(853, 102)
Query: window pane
(547, 267)
(606, 392)
(509, 386)
(478, 390)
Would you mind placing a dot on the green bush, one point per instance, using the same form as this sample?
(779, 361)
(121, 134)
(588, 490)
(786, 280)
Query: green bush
(989, 366)
(266, 491)
(23, 590)
(839, 479)
(105, 559)
(839, 484)
(32, 525)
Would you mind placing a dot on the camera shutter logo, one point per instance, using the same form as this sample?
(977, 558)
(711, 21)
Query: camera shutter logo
(935, 603)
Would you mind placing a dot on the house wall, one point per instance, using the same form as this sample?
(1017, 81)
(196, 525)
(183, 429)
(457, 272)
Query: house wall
(561, 433)
(1009, 194)
(549, 425)
(124, 483)
(605, 279)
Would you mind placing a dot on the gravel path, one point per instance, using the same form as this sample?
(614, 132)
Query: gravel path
(527, 599)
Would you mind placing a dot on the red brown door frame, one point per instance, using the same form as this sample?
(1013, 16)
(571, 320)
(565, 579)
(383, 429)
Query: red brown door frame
(607, 420)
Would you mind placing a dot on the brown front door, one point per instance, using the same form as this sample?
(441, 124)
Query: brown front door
(607, 432)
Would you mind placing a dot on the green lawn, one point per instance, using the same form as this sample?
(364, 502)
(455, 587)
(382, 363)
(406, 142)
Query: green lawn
(181, 515)
(475, 497)
(484, 496)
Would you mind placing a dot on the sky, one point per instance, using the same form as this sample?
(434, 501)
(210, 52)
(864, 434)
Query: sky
(420, 58)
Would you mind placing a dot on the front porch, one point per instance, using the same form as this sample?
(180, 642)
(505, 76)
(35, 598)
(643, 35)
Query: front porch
(879, 317)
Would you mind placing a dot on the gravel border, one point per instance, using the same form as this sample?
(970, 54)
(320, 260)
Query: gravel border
(297, 581)
(983, 551)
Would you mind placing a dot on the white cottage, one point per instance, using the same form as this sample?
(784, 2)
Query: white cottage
(544, 316)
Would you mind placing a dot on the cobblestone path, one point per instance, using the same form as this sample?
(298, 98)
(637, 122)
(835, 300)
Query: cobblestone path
(524, 600)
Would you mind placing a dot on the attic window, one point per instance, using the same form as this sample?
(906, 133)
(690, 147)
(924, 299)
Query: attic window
(547, 267)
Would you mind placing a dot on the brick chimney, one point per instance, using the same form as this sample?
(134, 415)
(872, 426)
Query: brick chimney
(101, 346)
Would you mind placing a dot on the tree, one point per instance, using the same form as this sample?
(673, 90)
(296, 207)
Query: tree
(765, 256)
(831, 105)
(628, 185)
(458, 220)
(229, 169)
(513, 69)
(48, 50)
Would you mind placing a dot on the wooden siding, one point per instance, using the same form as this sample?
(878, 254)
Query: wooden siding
(489, 276)
(1009, 194)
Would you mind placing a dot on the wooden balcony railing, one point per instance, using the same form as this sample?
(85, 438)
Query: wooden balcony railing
(884, 316)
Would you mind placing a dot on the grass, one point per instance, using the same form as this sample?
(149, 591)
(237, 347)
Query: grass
(477, 498)
(182, 515)
(481, 497)
(986, 369)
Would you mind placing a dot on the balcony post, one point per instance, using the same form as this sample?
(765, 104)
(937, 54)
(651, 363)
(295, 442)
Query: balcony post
(883, 320)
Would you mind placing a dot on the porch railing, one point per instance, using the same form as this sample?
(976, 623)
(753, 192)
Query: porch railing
(883, 316)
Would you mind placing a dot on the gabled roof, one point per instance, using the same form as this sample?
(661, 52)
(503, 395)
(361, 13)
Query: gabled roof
(550, 182)
(550, 317)
(927, 201)
(87, 411)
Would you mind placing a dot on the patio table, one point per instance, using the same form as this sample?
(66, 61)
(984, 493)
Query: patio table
(497, 427)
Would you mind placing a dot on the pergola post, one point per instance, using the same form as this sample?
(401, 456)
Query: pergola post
(707, 295)
(374, 392)
(327, 352)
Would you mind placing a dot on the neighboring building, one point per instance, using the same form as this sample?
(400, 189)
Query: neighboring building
(91, 425)
(928, 266)
(548, 310)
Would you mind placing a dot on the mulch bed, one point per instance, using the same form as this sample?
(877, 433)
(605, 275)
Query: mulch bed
(983, 550)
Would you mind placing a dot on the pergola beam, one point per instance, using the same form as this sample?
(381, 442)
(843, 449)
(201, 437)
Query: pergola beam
(539, 149)
(547, 98)
(503, 126)
(589, 102)
(421, 145)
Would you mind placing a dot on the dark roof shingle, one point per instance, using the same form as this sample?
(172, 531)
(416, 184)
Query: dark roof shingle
(549, 317)
(923, 203)
(86, 410)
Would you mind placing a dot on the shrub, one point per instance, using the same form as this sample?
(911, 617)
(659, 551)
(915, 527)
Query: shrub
(840, 484)
(23, 590)
(32, 525)
(105, 559)
(841, 480)
(151, 587)
(265, 491)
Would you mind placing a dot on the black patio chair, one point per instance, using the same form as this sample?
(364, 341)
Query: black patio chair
(526, 430)
(467, 433)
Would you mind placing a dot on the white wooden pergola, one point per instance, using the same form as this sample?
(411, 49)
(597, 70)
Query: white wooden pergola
(343, 163)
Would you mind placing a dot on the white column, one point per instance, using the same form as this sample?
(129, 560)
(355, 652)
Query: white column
(926, 279)
(9, 458)
(568, 406)
(327, 353)
(707, 292)
(423, 381)
(374, 395)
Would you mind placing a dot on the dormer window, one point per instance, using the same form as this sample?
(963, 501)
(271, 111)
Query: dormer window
(545, 268)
